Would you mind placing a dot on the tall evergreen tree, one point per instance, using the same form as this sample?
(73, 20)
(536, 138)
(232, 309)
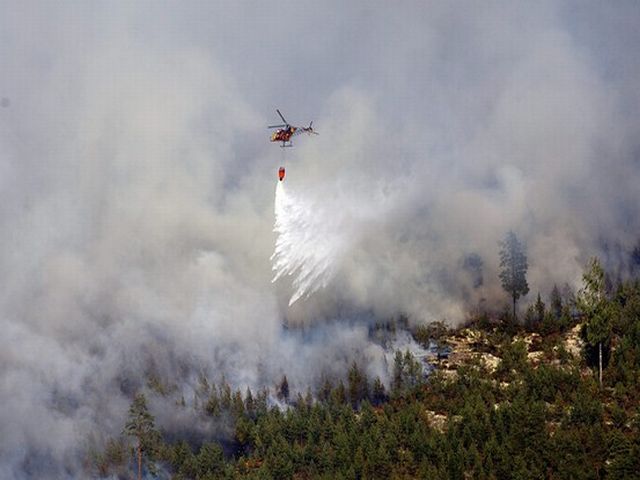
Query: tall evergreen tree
(283, 389)
(379, 394)
(556, 302)
(592, 302)
(513, 265)
(358, 385)
(141, 425)
(397, 382)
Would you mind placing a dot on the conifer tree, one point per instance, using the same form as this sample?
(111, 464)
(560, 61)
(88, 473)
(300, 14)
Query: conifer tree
(397, 382)
(209, 461)
(513, 265)
(237, 405)
(249, 403)
(556, 302)
(283, 389)
(358, 385)
(324, 391)
(212, 407)
(379, 394)
(413, 369)
(141, 425)
(592, 302)
(540, 309)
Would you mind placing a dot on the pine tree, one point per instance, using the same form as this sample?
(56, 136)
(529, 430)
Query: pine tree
(379, 394)
(540, 309)
(413, 369)
(141, 425)
(536, 315)
(592, 302)
(249, 403)
(358, 385)
(339, 394)
(261, 403)
(397, 382)
(210, 461)
(283, 389)
(513, 264)
(556, 302)
(225, 395)
(237, 405)
(212, 407)
(324, 393)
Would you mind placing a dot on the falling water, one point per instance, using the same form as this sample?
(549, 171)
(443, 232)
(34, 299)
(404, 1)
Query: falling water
(309, 241)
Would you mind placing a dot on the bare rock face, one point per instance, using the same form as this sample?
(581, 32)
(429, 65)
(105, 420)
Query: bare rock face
(436, 421)
(573, 343)
(472, 346)
(467, 345)
(535, 357)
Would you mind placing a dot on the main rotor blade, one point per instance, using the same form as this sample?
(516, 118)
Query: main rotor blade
(282, 117)
(276, 126)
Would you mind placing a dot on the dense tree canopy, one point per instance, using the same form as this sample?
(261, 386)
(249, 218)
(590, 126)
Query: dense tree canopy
(538, 413)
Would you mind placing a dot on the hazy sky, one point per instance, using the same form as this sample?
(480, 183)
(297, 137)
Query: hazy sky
(137, 184)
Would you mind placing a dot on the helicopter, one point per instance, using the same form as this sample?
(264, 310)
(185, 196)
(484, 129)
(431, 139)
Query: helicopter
(286, 131)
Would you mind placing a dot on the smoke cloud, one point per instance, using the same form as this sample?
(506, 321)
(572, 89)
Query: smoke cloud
(137, 203)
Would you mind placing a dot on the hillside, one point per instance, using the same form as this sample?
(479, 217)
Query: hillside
(503, 401)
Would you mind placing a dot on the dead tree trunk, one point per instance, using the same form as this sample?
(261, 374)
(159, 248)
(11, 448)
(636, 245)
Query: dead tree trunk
(600, 363)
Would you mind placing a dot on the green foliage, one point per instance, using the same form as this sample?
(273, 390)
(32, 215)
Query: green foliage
(623, 456)
(141, 426)
(434, 331)
(213, 405)
(378, 393)
(592, 302)
(112, 459)
(549, 383)
(625, 368)
(556, 302)
(210, 461)
(513, 359)
(586, 409)
(140, 423)
(546, 420)
(358, 386)
(535, 315)
(407, 373)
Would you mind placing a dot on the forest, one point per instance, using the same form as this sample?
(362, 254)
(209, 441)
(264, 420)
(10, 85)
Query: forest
(560, 401)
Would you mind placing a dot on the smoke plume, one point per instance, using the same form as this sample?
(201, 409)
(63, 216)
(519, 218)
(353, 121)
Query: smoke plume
(137, 203)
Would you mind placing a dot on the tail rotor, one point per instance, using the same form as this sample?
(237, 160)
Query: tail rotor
(310, 129)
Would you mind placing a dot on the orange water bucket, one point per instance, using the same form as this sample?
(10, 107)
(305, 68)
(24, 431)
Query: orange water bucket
(281, 173)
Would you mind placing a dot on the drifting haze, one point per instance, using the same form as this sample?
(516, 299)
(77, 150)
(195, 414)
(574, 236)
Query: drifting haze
(136, 184)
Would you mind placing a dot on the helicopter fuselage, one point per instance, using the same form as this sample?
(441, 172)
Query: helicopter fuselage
(283, 135)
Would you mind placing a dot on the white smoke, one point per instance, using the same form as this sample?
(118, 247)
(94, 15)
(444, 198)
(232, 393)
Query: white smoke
(135, 191)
